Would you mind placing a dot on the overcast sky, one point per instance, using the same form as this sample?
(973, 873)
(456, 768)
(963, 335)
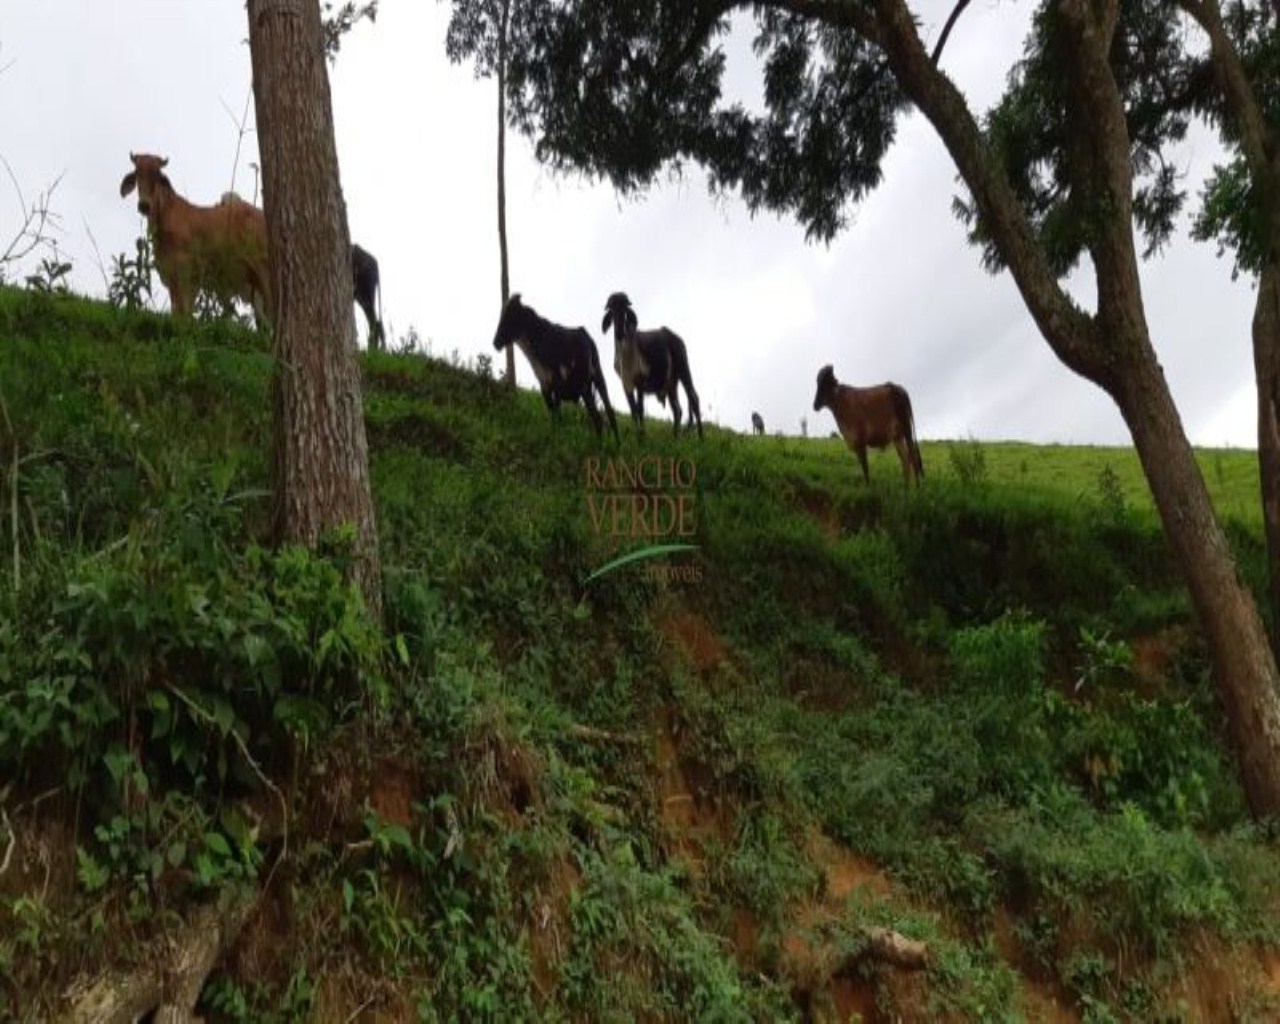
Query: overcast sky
(898, 296)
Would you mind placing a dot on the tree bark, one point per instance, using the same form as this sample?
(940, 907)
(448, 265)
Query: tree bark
(1244, 667)
(1257, 144)
(502, 175)
(321, 464)
(1113, 350)
(1266, 362)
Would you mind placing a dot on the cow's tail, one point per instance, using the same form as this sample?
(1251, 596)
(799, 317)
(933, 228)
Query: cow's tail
(680, 364)
(597, 378)
(902, 408)
(382, 334)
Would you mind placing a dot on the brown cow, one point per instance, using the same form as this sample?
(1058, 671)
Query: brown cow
(221, 249)
(872, 417)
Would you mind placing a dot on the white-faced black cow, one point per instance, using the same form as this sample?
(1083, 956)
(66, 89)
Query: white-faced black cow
(872, 417)
(368, 288)
(564, 359)
(649, 362)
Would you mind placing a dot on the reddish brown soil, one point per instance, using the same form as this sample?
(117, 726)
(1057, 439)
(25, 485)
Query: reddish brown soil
(693, 636)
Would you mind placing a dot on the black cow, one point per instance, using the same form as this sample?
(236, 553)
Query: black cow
(564, 359)
(757, 423)
(649, 362)
(364, 271)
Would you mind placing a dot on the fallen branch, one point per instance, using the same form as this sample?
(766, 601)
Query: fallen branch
(13, 841)
(894, 948)
(593, 735)
(169, 978)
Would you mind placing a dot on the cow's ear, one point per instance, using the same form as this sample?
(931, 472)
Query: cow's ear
(608, 319)
(126, 186)
(631, 319)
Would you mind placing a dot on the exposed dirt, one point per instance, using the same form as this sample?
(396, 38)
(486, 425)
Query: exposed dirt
(819, 508)
(393, 791)
(844, 871)
(692, 815)
(1222, 985)
(1040, 1001)
(548, 932)
(691, 634)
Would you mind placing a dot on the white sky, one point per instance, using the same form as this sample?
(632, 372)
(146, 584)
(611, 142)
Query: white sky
(898, 296)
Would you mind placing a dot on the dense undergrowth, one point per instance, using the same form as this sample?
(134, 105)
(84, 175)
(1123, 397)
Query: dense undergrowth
(535, 798)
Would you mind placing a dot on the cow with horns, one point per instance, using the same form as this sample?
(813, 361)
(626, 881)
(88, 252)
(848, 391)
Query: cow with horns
(649, 362)
(221, 249)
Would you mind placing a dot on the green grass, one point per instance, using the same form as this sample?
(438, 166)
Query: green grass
(991, 688)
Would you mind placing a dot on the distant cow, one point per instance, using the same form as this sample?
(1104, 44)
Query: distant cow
(220, 249)
(872, 417)
(364, 269)
(649, 362)
(564, 359)
(757, 423)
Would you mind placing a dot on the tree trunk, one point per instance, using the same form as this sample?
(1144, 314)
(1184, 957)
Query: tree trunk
(320, 472)
(502, 176)
(1244, 667)
(1266, 361)
(1113, 350)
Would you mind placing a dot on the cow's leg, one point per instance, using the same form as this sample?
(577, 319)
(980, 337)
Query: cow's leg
(179, 301)
(904, 456)
(631, 404)
(640, 410)
(860, 450)
(676, 412)
(589, 400)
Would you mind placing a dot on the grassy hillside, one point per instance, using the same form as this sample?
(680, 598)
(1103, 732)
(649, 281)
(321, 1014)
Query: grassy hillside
(977, 715)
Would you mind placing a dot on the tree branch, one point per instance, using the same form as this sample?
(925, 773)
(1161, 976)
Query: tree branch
(1067, 329)
(836, 13)
(946, 29)
(1241, 99)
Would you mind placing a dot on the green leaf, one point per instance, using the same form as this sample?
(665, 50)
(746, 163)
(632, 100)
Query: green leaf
(224, 715)
(216, 843)
(92, 875)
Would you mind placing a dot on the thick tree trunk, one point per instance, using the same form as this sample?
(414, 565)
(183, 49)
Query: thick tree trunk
(502, 176)
(1266, 361)
(321, 466)
(1244, 667)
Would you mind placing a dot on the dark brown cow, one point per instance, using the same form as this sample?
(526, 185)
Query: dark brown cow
(364, 272)
(874, 417)
(564, 359)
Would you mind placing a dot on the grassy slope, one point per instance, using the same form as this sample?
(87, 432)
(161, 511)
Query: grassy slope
(977, 714)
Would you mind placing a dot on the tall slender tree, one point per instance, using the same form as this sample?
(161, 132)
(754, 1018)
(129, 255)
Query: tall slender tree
(503, 22)
(622, 90)
(479, 30)
(320, 477)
